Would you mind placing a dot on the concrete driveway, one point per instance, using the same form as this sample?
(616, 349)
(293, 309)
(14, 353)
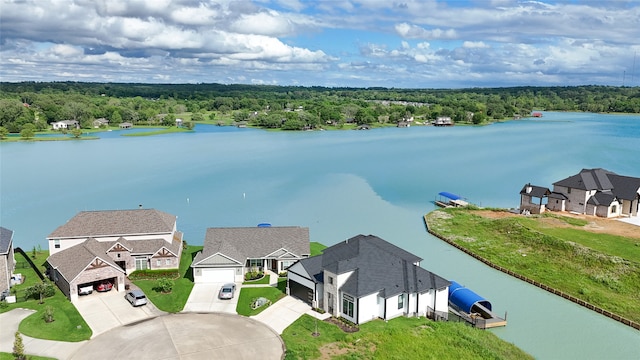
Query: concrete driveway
(284, 312)
(108, 310)
(204, 298)
(186, 336)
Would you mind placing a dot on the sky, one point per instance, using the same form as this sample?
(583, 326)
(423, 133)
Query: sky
(346, 43)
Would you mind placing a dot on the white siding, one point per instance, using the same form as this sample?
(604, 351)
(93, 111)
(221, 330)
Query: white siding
(368, 308)
(301, 280)
(392, 307)
(211, 275)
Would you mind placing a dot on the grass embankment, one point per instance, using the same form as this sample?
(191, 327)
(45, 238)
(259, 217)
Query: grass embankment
(174, 301)
(400, 338)
(68, 325)
(601, 269)
(316, 248)
(168, 130)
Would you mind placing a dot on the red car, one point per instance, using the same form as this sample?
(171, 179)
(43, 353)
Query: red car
(104, 286)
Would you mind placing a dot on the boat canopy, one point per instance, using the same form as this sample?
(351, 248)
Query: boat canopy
(464, 298)
(449, 195)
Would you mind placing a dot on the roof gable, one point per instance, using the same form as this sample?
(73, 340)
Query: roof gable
(215, 259)
(588, 179)
(89, 254)
(6, 238)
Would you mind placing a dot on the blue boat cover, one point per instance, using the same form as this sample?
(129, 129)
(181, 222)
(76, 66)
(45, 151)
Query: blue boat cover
(464, 298)
(264, 225)
(450, 195)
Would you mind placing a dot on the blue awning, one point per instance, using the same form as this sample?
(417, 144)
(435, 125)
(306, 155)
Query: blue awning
(464, 298)
(450, 195)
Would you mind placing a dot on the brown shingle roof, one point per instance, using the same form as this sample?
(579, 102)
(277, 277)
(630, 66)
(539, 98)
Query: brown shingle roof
(241, 243)
(72, 261)
(115, 223)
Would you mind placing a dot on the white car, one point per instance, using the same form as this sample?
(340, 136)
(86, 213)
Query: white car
(227, 291)
(136, 297)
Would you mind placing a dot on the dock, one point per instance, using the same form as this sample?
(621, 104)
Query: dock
(466, 305)
(447, 199)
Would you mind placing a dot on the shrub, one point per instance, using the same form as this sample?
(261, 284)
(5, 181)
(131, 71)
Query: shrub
(40, 291)
(165, 285)
(154, 274)
(18, 347)
(47, 315)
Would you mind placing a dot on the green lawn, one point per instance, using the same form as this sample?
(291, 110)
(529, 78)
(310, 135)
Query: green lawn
(400, 338)
(601, 269)
(68, 324)
(316, 248)
(174, 301)
(8, 356)
(247, 295)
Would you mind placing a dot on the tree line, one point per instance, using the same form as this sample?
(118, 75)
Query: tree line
(36, 105)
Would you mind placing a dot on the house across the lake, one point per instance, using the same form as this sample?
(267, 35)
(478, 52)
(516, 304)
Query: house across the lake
(229, 253)
(104, 246)
(365, 278)
(596, 192)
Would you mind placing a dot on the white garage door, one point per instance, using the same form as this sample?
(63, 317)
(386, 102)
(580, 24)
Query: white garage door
(218, 275)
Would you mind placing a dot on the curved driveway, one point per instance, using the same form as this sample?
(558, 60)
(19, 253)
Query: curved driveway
(186, 336)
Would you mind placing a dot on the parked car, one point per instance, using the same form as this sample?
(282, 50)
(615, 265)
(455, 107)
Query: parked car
(227, 291)
(136, 297)
(103, 286)
(85, 289)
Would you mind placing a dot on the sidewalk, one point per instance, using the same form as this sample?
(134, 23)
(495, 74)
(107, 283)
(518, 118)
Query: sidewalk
(284, 312)
(49, 348)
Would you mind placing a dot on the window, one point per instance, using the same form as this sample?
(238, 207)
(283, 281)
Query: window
(255, 263)
(330, 302)
(167, 261)
(141, 263)
(158, 262)
(56, 244)
(568, 190)
(331, 280)
(401, 301)
(347, 305)
(119, 255)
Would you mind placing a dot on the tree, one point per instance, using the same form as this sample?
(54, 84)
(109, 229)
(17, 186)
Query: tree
(18, 347)
(76, 133)
(115, 118)
(189, 125)
(40, 291)
(3, 132)
(197, 117)
(28, 131)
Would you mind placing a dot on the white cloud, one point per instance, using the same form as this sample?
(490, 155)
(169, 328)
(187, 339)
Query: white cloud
(409, 31)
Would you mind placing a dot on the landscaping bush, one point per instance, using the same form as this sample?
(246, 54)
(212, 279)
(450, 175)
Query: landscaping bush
(164, 285)
(253, 275)
(47, 315)
(154, 274)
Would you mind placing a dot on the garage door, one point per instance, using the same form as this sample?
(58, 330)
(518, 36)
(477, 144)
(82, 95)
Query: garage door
(301, 292)
(218, 275)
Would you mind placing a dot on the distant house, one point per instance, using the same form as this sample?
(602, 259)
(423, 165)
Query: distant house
(403, 124)
(101, 122)
(363, 127)
(179, 122)
(7, 258)
(537, 114)
(65, 124)
(533, 199)
(365, 278)
(96, 246)
(443, 121)
(596, 192)
(126, 125)
(229, 253)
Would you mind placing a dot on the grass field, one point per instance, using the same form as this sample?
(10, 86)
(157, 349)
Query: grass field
(400, 338)
(316, 248)
(601, 269)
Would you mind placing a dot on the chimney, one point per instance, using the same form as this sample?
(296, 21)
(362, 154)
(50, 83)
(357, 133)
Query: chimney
(529, 188)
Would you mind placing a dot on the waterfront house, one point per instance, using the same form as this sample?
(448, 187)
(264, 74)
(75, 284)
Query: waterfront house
(96, 246)
(443, 121)
(101, 122)
(229, 253)
(7, 258)
(365, 278)
(126, 125)
(65, 124)
(596, 192)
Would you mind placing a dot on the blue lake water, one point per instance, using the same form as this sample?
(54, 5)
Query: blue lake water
(340, 184)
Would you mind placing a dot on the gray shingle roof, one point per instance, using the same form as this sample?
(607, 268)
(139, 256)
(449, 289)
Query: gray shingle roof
(313, 266)
(536, 191)
(625, 187)
(604, 198)
(588, 179)
(378, 266)
(241, 243)
(116, 223)
(6, 237)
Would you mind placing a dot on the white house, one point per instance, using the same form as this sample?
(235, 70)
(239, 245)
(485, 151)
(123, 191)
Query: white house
(229, 253)
(7, 258)
(365, 278)
(65, 124)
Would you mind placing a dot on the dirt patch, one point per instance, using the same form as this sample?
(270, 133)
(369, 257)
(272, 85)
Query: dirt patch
(595, 224)
(331, 350)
